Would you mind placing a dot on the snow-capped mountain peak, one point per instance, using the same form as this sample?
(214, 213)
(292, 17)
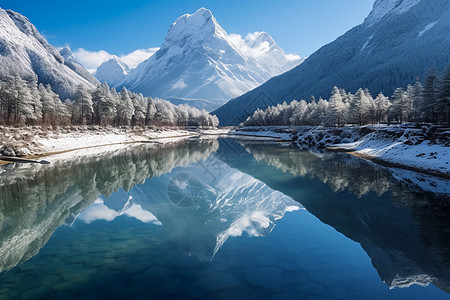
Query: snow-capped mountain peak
(200, 60)
(199, 24)
(66, 52)
(115, 61)
(382, 8)
(112, 71)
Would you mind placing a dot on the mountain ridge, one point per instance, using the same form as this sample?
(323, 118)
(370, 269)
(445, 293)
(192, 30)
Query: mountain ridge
(25, 52)
(380, 56)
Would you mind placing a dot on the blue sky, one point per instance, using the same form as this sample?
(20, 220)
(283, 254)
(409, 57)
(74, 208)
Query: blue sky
(120, 27)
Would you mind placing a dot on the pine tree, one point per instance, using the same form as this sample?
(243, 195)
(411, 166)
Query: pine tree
(8, 99)
(408, 103)
(25, 101)
(48, 103)
(83, 104)
(140, 108)
(150, 112)
(35, 101)
(125, 109)
(417, 100)
(104, 105)
(396, 110)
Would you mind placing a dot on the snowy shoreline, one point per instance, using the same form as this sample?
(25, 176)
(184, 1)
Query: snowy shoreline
(420, 148)
(407, 146)
(33, 142)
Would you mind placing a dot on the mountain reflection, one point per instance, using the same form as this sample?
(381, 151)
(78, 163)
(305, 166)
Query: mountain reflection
(203, 192)
(405, 232)
(35, 200)
(200, 207)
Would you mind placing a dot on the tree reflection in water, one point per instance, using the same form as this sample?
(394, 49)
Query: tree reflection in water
(403, 225)
(35, 200)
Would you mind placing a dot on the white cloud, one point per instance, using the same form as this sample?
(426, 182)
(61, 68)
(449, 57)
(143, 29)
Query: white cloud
(238, 40)
(246, 45)
(91, 60)
(136, 211)
(179, 84)
(136, 57)
(99, 211)
(291, 57)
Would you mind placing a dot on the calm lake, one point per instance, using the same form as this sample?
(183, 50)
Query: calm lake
(222, 219)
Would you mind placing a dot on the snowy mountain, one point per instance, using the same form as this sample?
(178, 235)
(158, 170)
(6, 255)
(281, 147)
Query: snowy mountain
(199, 60)
(24, 51)
(75, 65)
(398, 41)
(112, 71)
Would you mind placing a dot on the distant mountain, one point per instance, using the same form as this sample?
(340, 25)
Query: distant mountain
(112, 71)
(25, 52)
(199, 60)
(399, 40)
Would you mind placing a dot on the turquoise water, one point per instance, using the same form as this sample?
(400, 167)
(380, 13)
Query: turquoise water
(221, 219)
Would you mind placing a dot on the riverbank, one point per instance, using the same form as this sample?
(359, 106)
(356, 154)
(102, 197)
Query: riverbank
(34, 141)
(416, 147)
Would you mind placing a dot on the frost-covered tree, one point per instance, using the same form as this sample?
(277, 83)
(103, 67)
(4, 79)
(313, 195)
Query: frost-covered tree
(381, 105)
(35, 102)
(213, 121)
(125, 108)
(49, 106)
(82, 101)
(25, 101)
(395, 111)
(104, 105)
(150, 112)
(298, 112)
(183, 115)
(140, 109)
(359, 108)
(408, 103)
(336, 108)
(17, 102)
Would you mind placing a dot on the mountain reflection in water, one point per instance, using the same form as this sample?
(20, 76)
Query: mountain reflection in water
(35, 200)
(205, 191)
(405, 233)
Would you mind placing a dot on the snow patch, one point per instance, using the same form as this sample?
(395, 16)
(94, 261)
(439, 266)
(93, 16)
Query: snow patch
(404, 145)
(428, 27)
(366, 43)
(179, 84)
